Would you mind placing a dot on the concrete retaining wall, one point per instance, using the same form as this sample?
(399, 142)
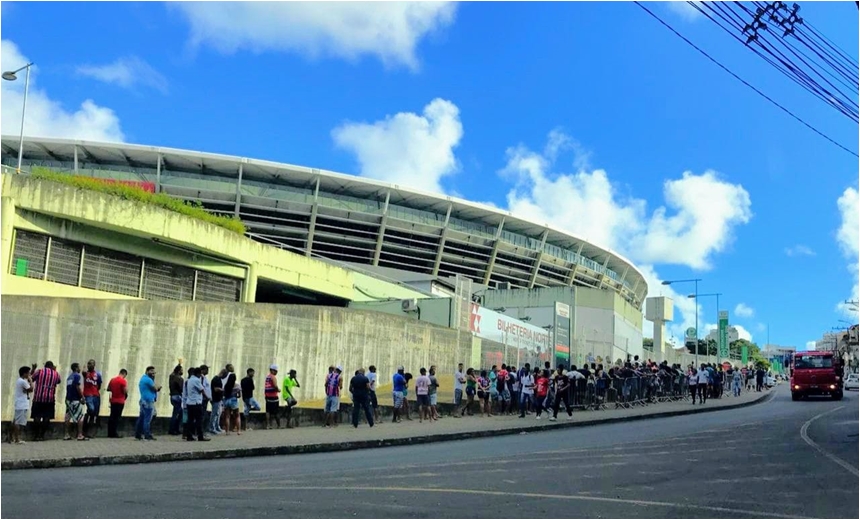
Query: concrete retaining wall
(134, 334)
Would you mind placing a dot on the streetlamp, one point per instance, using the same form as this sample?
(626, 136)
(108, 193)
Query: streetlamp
(718, 314)
(696, 296)
(12, 76)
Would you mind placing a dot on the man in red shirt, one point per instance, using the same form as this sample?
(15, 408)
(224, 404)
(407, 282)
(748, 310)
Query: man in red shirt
(92, 395)
(118, 388)
(45, 381)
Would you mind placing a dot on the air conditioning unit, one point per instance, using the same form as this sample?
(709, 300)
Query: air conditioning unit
(503, 286)
(409, 305)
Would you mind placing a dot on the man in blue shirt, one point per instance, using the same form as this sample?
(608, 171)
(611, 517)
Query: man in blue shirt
(397, 395)
(194, 405)
(148, 392)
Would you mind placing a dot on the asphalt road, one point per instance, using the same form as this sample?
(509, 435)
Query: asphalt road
(754, 462)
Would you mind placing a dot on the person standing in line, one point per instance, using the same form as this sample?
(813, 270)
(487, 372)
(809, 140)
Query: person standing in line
(693, 382)
(527, 389)
(174, 386)
(92, 397)
(398, 387)
(148, 393)
(526, 370)
(759, 379)
(562, 383)
(23, 388)
(359, 387)
(270, 392)
(484, 394)
(289, 394)
(422, 392)
(471, 391)
(45, 381)
(514, 387)
(459, 381)
(194, 406)
(703, 377)
(405, 409)
(75, 403)
(434, 386)
(217, 394)
(118, 389)
(250, 403)
(374, 402)
(230, 402)
(207, 395)
(541, 392)
(333, 386)
(737, 377)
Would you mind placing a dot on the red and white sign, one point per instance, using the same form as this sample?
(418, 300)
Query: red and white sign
(494, 326)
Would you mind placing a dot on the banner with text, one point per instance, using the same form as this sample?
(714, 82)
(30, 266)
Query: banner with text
(494, 326)
(724, 334)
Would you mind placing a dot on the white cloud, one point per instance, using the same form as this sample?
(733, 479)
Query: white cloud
(684, 10)
(696, 222)
(46, 117)
(127, 72)
(407, 149)
(743, 310)
(799, 250)
(389, 30)
(847, 237)
(742, 332)
(810, 345)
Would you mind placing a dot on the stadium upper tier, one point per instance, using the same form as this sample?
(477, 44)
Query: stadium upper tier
(351, 219)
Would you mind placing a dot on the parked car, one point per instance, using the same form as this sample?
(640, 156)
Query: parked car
(852, 382)
(770, 381)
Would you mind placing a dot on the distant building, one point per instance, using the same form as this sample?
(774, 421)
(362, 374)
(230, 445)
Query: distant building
(715, 334)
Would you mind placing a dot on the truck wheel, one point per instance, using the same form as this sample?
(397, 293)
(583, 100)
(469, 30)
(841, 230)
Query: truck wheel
(795, 397)
(837, 396)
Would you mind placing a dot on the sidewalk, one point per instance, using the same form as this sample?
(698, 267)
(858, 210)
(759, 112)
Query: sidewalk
(100, 451)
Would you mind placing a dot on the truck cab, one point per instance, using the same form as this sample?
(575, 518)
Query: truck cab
(815, 373)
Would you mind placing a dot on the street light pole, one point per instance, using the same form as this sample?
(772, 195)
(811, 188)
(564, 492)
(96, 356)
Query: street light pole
(718, 311)
(696, 296)
(12, 76)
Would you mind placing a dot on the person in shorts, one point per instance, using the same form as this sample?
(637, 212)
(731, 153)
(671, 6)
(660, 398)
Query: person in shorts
(23, 388)
(251, 404)
(288, 392)
(434, 385)
(459, 381)
(75, 408)
(273, 400)
(232, 392)
(422, 393)
(92, 396)
(45, 381)
(374, 403)
(333, 386)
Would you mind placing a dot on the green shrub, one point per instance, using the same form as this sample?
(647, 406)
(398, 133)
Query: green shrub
(127, 192)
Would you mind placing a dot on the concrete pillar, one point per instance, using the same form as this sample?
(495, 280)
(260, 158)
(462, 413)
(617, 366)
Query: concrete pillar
(659, 310)
(250, 289)
(7, 221)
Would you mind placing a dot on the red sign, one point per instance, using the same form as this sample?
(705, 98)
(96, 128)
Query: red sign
(146, 186)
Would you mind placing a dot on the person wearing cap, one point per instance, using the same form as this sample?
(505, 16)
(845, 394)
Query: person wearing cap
(333, 386)
(288, 392)
(270, 390)
(45, 381)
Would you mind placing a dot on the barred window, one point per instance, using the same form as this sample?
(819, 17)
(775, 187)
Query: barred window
(65, 263)
(213, 287)
(163, 281)
(28, 258)
(111, 271)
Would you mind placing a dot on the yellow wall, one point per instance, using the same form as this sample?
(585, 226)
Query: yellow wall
(21, 286)
(109, 221)
(134, 334)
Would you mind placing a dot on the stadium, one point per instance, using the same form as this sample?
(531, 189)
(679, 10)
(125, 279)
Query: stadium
(352, 220)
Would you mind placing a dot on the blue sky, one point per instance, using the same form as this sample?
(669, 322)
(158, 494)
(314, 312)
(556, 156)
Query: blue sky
(590, 116)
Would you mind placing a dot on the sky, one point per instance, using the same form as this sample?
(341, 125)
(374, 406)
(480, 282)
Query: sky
(592, 117)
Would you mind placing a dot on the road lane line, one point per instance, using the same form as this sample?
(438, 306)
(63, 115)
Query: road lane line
(746, 513)
(803, 435)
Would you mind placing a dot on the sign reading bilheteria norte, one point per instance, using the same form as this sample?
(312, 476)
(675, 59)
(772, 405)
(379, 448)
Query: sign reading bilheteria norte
(494, 326)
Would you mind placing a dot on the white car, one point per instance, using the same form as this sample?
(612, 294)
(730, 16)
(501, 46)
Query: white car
(770, 381)
(852, 382)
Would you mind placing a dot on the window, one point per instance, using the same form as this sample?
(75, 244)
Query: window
(811, 362)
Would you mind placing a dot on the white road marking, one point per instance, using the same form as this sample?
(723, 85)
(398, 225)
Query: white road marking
(803, 435)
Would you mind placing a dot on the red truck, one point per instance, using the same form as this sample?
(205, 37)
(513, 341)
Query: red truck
(816, 373)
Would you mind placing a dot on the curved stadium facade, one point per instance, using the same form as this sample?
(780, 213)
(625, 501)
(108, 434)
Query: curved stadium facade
(351, 219)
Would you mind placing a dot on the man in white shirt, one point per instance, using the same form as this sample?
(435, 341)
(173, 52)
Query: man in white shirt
(374, 403)
(422, 390)
(459, 381)
(23, 387)
(527, 389)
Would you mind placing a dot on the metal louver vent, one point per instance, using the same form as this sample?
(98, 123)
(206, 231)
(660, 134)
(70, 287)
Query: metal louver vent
(167, 282)
(216, 288)
(111, 271)
(28, 258)
(65, 264)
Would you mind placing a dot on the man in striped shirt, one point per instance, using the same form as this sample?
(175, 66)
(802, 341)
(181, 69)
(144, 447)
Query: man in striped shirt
(45, 381)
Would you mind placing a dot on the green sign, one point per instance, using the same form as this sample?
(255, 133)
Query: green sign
(745, 355)
(724, 334)
(691, 332)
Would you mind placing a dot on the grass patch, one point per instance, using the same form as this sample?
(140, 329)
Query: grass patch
(136, 193)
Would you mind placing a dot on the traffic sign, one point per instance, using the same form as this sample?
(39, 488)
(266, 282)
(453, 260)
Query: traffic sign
(691, 332)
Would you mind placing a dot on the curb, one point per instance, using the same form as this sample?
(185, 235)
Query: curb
(341, 446)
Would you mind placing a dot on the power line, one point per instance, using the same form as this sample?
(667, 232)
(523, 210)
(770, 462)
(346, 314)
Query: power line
(759, 92)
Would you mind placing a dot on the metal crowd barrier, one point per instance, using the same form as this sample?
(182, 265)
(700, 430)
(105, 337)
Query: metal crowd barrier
(597, 394)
